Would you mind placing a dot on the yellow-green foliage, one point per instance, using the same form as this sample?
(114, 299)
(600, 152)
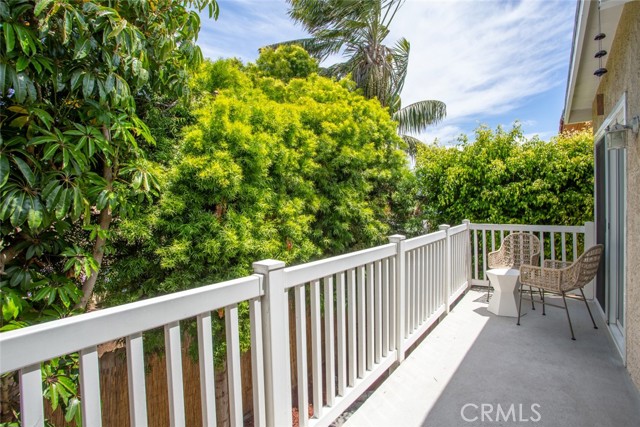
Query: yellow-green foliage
(291, 167)
(501, 178)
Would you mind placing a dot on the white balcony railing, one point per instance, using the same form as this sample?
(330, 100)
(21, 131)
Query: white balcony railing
(366, 309)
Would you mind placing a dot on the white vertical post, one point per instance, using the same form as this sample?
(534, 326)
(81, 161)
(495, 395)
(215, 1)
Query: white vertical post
(276, 343)
(31, 404)
(136, 381)
(173, 354)
(90, 387)
(589, 240)
(301, 355)
(316, 348)
(467, 253)
(400, 306)
(342, 333)
(352, 343)
(207, 373)
(257, 365)
(447, 269)
(233, 364)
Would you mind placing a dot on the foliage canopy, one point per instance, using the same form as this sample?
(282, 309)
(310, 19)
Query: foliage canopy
(285, 165)
(502, 178)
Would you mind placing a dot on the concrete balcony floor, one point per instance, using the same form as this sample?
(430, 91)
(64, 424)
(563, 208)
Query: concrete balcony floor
(475, 357)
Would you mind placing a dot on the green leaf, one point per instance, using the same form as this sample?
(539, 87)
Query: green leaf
(40, 6)
(73, 410)
(54, 397)
(6, 208)
(25, 38)
(63, 297)
(53, 197)
(50, 151)
(36, 213)
(19, 212)
(62, 207)
(3, 75)
(77, 203)
(9, 36)
(88, 83)
(83, 46)
(22, 63)
(4, 169)
(26, 171)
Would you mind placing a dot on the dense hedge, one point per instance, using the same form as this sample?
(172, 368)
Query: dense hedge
(501, 177)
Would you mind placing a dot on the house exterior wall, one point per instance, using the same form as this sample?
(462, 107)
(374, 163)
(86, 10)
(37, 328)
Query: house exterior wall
(624, 76)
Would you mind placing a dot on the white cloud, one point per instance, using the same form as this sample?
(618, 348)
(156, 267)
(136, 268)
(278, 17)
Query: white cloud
(483, 58)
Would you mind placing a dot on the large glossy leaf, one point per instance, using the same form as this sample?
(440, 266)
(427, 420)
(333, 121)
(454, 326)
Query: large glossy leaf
(36, 213)
(19, 213)
(9, 36)
(5, 169)
(40, 6)
(64, 202)
(26, 171)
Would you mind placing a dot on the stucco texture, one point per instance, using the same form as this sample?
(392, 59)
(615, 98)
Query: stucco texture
(624, 76)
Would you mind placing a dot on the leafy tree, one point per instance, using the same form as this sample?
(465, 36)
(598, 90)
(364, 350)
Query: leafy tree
(76, 80)
(275, 166)
(358, 29)
(503, 178)
(73, 148)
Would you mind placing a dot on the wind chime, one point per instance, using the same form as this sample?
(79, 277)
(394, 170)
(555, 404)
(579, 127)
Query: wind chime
(601, 52)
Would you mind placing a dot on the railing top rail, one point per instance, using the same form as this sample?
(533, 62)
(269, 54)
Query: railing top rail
(24, 347)
(304, 273)
(531, 228)
(458, 229)
(424, 240)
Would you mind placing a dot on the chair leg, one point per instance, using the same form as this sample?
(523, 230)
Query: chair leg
(533, 307)
(520, 304)
(488, 290)
(588, 309)
(566, 308)
(544, 313)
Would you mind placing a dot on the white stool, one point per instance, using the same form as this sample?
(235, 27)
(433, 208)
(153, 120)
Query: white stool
(505, 288)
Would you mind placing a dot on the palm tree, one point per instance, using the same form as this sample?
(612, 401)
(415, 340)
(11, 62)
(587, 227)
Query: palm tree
(357, 29)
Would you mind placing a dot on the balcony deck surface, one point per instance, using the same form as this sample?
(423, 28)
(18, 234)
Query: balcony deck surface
(475, 357)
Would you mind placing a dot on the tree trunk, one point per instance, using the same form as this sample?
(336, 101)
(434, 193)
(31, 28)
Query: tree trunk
(104, 222)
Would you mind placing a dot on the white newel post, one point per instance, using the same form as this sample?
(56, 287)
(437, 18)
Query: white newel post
(467, 252)
(401, 306)
(447, 268)
(589, 240)
(275, 326)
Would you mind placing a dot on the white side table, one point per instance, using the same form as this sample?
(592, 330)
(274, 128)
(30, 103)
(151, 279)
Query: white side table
(505, 289)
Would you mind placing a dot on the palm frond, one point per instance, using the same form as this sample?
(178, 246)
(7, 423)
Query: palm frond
(412, 145)
(400, 53)
(415, 118)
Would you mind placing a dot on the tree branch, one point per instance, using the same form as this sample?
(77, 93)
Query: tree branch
(104, 222)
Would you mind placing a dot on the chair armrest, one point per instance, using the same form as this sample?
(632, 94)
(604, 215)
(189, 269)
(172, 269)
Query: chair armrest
(545, 278)
(497, 259)
(556, 264)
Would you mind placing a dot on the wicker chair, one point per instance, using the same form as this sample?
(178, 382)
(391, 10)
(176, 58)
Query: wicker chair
(560, 277)
(516, 249)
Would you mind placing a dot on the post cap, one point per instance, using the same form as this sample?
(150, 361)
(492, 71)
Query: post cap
(267, 265)
(444, 227)
(396, 238)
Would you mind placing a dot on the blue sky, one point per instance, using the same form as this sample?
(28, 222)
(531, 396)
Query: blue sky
(492, 62)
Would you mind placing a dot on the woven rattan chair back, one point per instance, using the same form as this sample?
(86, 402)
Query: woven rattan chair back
(516, 249)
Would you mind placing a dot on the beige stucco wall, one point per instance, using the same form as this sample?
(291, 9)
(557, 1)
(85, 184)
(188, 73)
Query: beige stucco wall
(624, 76)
